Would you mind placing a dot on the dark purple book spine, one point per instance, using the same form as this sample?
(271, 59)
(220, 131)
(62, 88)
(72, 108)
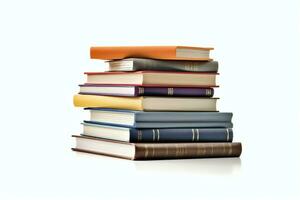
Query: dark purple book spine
(174, 91)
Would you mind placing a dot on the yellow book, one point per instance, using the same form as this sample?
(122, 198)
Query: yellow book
(130, 103)
(147, 103)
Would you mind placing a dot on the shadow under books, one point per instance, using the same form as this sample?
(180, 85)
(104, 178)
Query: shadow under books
(221, 166)
(200, 166)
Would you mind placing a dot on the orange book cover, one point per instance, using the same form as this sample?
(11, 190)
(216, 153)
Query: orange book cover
(154, 52)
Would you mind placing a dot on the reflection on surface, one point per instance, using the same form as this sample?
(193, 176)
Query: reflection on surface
(221, 166)
(207, 166)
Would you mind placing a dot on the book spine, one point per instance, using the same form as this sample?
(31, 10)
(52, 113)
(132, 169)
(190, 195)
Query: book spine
(182, 125)
(181, 135)
(170, 91)
(184, 117)
(149, 125)
(187, 66)
(194, 150)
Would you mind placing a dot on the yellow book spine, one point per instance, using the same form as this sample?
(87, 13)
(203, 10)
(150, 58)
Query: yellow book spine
(130, 103)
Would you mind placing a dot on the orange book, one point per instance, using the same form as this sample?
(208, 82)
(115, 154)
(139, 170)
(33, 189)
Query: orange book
(154, 52)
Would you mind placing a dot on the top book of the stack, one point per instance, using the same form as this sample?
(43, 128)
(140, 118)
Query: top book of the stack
(152, 52)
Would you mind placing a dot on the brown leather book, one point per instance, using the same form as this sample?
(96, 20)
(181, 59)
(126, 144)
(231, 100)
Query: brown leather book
(155, 52)
(152, 151)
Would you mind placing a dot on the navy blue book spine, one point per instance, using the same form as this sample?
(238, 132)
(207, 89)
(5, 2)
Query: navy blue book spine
(181, 135)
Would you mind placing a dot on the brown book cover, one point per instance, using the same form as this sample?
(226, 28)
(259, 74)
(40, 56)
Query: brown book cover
(155, 52)
(152, 151)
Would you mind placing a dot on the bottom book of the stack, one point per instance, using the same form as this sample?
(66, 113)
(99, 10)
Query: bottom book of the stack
(151, 151)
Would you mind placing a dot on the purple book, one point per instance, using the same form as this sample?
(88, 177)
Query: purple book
(134, 90)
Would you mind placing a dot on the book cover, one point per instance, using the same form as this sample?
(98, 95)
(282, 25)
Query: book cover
(155, 52)
(147, 103)
(152, 151)
(141, 64)
(121, 90)
(155, 124)
(174, 91)
(183, 79)
(170, 134)
(131, 103)
(142, 116)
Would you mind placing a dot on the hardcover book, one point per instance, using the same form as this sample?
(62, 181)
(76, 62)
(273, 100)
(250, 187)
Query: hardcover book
(131, 90)
(141, 119)
(142, 64)
(152, 151)
(157, 135)
(184, 79)
(155, 52)
(147, 103)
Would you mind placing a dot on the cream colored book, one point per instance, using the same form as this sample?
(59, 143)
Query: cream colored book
(193, 79)
(147, 103)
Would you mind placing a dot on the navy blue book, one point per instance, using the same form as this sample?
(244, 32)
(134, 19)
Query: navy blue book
(158, 135)
(142, 119)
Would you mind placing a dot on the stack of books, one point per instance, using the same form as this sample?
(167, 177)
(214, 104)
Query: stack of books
(154, 102)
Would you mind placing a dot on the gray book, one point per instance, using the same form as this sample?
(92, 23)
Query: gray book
(141, 64)
(141, 119)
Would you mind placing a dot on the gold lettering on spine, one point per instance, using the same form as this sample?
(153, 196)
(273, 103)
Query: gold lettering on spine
(227, 134)
(207, 91)
(153, 134)
(193, 132)
(198, 134)
(179, 150)
(140, 135)
(146, 151)
(141, 90)
(229, 149)
(170, 91)
(153, 151)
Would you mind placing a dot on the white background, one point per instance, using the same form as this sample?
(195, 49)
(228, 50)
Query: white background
(44, 50)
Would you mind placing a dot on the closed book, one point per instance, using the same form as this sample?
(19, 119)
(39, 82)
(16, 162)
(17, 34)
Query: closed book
(142, 64)
(141, 119)
(147, 103)
(157, 134)
(152, 151)
(131, 90)
(155, 124)
(155, 52)
(154, 78)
